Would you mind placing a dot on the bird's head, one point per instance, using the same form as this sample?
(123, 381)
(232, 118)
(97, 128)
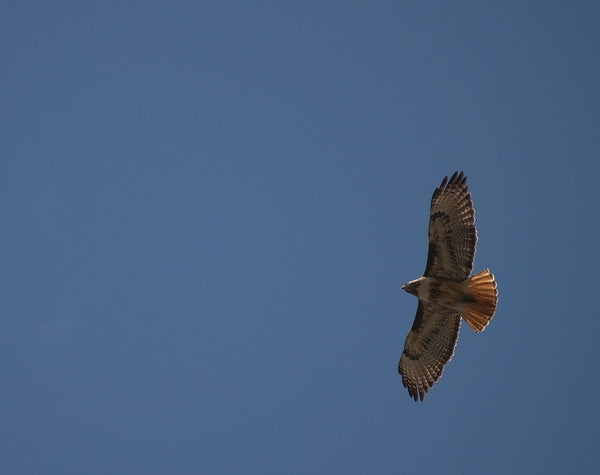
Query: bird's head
(412, 287)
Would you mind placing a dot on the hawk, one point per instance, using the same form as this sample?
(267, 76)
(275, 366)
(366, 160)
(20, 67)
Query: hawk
(446, 292)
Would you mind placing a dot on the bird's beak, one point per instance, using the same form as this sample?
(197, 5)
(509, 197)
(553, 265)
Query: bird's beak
(403, 287)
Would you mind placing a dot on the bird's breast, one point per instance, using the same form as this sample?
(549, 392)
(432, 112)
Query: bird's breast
(443, 293)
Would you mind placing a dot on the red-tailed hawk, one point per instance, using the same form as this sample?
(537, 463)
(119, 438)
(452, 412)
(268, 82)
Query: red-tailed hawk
(446, 292)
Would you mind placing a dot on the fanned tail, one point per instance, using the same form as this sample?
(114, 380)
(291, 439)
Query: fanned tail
(484, 291)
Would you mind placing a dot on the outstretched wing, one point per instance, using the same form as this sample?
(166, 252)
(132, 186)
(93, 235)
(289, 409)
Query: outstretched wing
(452, 233)
(429, 346)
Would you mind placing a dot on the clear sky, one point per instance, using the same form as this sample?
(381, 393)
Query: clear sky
(209, 209)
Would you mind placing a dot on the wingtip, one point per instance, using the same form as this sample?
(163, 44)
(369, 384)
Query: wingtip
(457, 178)
(415, 392)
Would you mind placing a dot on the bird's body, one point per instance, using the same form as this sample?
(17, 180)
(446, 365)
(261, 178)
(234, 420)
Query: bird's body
(446, 292)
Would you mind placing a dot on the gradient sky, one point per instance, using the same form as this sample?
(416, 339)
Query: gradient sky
(210, 208)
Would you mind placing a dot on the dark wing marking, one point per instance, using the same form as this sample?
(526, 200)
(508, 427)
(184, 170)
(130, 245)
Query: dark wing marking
(452, 233)
(429, 346)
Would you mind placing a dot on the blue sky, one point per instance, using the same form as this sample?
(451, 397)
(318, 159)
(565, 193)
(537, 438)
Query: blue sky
(210, 207)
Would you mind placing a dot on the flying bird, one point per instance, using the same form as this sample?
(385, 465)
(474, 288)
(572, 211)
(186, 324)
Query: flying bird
(446, 292)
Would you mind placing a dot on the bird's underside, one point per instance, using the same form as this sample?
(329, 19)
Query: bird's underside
(446, 292)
